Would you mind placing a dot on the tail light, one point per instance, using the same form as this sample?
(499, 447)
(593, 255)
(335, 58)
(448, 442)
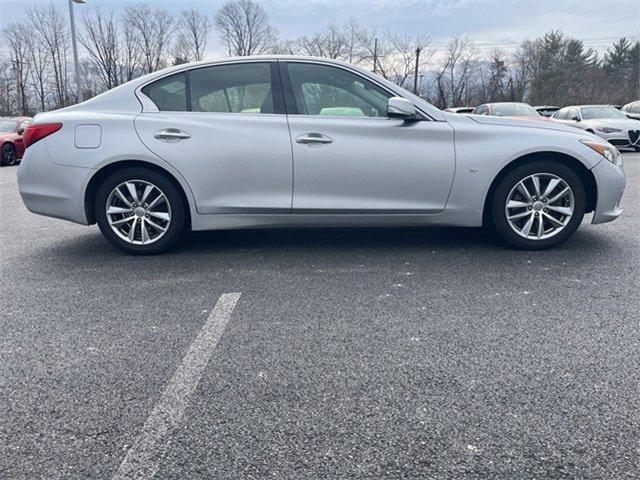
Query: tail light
(35, 133)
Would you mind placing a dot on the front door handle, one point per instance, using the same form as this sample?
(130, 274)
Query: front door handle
(313, 138)
(171, 135)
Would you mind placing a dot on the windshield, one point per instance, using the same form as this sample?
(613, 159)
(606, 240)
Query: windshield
(512, 109)
(8, 126)
(589, 113)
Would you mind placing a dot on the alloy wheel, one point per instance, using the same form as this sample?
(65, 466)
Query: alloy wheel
(138, 212)
(540, 206)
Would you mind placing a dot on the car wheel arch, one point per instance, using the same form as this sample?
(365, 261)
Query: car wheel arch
(10, 143)
(97, 178)
(585, 175)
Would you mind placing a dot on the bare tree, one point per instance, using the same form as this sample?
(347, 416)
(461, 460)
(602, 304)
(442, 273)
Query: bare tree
(100, 39)
(130, 52)
(15, 35)
(39, 61)
(194, 28)
(453, 80)
(398, 63)
(331, 42)
(154, 29)
(50, 28)
(8, 95)
(244, 28)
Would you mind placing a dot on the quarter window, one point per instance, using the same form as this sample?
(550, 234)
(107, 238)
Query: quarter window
(169, 93)
(330, 91)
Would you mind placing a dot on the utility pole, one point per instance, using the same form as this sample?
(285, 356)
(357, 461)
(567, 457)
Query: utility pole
(74, 43)
(415, 74)
(375, 54)
(17, 70)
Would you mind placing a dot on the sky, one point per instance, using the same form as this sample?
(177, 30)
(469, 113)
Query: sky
(489, 23)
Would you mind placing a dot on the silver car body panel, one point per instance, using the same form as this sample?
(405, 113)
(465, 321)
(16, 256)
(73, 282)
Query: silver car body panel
(233, 162)
(246, 170)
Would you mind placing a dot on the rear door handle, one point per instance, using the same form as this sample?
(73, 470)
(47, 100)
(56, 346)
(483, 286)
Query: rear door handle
(313, 138)
(171, 135)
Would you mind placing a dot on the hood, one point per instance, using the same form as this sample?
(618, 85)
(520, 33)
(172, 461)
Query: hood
(535, 118)
(523, 122)
(621, 123)
(11, 135)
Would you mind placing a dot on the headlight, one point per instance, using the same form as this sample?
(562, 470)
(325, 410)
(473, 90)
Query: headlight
(609, 152)
(608, 129)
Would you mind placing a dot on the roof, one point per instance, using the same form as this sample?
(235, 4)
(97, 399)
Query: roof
(119, 98)
(506, 103)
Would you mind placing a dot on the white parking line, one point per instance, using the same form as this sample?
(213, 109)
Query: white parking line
(141, 461)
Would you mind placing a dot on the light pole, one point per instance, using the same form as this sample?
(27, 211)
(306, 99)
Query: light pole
(74, 42)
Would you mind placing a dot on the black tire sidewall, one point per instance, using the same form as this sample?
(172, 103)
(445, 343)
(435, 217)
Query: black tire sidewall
(5, 147)
(499, 220)
(179, 210)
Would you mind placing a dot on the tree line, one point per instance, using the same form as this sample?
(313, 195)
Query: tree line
(36, 67)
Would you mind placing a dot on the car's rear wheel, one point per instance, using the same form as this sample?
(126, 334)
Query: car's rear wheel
(140, 211)
(538, 205)
(8, 155)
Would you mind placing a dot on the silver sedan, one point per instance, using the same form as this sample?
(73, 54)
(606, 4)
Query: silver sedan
(296, 141)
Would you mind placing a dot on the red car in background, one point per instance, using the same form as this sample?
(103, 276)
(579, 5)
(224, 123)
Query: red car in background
(510, 109)
(11, 142)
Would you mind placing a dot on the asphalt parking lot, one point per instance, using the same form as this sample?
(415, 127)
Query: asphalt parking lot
(401, 353)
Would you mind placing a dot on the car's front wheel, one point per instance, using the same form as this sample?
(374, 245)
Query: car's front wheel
(538, 205)
(140, 211)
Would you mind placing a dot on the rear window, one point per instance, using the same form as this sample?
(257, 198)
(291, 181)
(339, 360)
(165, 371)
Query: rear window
(238, 88)
(169, 94)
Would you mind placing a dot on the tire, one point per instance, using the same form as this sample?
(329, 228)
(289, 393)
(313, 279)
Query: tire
(560, 217)
(8, 155)
(162, 219)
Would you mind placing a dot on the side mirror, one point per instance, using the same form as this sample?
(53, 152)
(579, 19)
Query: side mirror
(20, 131)
(575, 118)
(401, 108)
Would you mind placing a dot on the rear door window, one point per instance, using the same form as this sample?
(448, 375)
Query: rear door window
(241, 88)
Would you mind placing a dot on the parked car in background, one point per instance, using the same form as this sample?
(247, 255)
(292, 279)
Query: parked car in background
(288, 141)
(632, 110)
(11, 141)
(546, 110)
(509, 109)
(459, 109)
(602, 120)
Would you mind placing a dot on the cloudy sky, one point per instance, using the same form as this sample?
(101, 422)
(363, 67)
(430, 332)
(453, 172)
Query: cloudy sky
(489, 23)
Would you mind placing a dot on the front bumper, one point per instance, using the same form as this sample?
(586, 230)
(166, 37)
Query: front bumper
(50, 189)
(624, 139)
(610, 182)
